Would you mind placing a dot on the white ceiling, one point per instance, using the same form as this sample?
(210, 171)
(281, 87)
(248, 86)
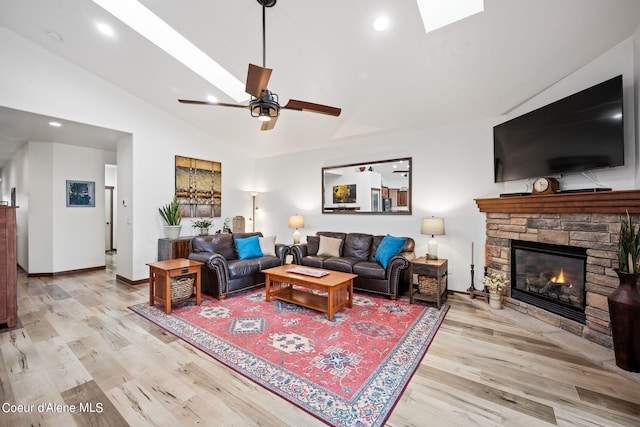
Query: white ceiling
(327, 52)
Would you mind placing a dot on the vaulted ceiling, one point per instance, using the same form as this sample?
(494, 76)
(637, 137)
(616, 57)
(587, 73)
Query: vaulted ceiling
(327, 52)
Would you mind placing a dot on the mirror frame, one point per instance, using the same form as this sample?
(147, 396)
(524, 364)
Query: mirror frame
(331, 211)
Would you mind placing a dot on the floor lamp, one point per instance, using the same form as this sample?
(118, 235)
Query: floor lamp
(254, 194)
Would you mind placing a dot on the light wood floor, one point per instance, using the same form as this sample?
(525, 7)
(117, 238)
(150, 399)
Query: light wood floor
(77, 343)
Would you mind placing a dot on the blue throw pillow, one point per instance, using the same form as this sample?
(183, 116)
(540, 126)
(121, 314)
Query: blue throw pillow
(389, 247)
(249, 247)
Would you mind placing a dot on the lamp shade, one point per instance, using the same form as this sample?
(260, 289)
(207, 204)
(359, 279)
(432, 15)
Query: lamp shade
(296, 221)
(433, 226)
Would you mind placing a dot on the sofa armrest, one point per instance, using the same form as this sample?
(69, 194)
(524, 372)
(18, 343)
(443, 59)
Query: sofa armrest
(396, 266)
(282, 251)
(298, 251)
(217, 264)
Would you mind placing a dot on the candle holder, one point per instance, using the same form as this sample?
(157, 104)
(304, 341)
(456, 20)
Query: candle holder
(485, 275)
(472, 287)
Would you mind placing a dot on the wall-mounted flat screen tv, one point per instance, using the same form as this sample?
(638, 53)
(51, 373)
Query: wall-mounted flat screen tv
(578, 133)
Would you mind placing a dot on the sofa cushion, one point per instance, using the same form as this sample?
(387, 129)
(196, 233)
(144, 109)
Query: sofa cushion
(370, 270)
(357, 245)
(313, 261)
(313, 243)
(249, 247)
(268, 262)
(329, 247)
(242, 268)
(375, 242)
(219, 243)
(268, 245)
(389, 247)
(344, 264)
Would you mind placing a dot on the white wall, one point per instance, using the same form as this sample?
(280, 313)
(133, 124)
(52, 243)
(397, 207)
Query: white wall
(34, 79)
(51, 236)
(15, 174)
(452, 166)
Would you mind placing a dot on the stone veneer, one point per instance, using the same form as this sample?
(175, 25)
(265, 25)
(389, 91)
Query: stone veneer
(594, 231)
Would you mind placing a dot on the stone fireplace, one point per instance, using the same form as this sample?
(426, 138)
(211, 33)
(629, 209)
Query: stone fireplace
(585, 222)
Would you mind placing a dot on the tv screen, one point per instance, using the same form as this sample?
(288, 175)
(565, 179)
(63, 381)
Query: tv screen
(578, 133)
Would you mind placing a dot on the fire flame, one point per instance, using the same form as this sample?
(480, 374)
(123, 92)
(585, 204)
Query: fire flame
(559, 278)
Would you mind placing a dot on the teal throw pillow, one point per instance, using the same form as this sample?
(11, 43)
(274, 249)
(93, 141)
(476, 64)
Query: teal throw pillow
(388, 248)
(249, 247)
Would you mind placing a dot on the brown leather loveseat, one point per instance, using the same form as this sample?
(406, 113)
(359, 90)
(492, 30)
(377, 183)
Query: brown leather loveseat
(356, 253)
(225, 271)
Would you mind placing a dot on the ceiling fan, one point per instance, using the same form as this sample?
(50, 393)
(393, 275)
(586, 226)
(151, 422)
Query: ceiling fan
(264, 103)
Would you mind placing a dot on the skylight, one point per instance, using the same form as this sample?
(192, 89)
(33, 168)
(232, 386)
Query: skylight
(438, 13)
(154, 29)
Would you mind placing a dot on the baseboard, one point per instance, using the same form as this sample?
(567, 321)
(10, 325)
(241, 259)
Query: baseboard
(65, 273)
(131, 282)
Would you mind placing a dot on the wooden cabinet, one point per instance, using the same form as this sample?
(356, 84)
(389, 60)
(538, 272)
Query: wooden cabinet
(173, 248)
(428, 280)
(8, 267)
(403, 198)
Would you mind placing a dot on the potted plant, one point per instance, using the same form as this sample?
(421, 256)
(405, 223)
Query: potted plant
(624, 302)
(495, 284)
(203, 224)
(170, 213)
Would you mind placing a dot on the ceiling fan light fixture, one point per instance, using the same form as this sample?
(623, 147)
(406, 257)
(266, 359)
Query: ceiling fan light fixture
(264, 118)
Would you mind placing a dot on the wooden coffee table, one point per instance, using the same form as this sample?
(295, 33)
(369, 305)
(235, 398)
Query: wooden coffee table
(280, 284)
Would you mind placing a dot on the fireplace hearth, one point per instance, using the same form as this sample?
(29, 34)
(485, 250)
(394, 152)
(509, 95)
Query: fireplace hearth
(549, 276)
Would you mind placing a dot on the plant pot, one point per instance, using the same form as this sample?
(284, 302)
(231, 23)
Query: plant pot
(204, 231)
(172, 231)
(624, 312)
(495, 300)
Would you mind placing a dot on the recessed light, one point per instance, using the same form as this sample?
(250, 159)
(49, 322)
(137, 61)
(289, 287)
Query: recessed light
(212, 98)
(55, 124)
(105, 29)
(381, 23)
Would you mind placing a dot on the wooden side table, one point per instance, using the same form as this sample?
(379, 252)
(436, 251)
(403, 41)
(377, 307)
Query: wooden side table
(160, 274)
(433, 269)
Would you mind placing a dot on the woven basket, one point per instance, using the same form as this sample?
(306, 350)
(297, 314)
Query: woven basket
(182, 287)
(428, 285)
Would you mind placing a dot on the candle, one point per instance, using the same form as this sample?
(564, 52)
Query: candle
(471, 252)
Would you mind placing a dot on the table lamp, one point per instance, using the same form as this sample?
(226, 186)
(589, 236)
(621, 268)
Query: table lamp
(435, 227)
(296, 221)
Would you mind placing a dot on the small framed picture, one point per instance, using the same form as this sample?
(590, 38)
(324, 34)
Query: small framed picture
(81, 194)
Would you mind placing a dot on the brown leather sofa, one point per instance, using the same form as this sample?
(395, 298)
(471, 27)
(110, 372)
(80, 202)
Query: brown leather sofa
(223, 272)
(358, 256)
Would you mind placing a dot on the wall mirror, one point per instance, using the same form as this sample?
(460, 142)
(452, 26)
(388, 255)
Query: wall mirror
(379, 187)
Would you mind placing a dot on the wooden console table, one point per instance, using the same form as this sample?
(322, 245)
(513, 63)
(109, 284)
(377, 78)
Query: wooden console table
(173, 248)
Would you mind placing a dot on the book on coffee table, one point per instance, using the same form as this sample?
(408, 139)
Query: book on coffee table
(308, 271)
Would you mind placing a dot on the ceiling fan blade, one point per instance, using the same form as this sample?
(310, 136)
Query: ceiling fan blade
(270, 124)
(257, 80)
(294, 104)
(222, 104)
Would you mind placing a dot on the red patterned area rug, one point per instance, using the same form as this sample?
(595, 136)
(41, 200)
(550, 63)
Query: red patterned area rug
(349, 371)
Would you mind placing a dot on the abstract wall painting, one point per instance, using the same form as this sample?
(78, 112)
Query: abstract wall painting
(344, 193)
(199, 187)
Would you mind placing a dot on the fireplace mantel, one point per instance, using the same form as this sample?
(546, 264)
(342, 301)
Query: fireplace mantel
(587, 202)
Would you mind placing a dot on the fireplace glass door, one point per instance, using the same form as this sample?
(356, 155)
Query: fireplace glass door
(551, 277)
